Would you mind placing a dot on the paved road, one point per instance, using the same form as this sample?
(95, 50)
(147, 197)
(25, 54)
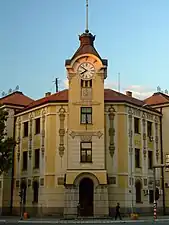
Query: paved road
(127, 223)
(141, 222)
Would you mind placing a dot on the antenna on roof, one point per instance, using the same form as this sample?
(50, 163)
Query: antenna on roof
(56, 84)
(158, 89)
(17, 88)
(166, 91)
(10, 91)
(87, 17)
(118, 82)
(3, 94)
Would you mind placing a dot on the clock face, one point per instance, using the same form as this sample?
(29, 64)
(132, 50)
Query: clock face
(86, 70)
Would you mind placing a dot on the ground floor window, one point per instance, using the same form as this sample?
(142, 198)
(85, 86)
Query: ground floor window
(35, 191)
(151, 196)
(138, 187)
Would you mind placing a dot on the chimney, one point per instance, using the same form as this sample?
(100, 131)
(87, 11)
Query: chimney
(129, 93)
(47, 94)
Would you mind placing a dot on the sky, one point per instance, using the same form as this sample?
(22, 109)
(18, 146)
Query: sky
(37, 36)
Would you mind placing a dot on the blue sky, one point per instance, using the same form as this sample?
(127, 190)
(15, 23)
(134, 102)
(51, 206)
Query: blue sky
(36, 36)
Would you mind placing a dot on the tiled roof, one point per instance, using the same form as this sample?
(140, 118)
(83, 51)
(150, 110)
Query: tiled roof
(109, 96)
(157, 99)
(61, 96)
(16, 98)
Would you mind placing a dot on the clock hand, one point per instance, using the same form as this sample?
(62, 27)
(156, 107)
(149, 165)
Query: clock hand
(83, 68)
(83, 72)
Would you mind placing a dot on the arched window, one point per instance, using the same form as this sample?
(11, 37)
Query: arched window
(138, 187)
(35, 191)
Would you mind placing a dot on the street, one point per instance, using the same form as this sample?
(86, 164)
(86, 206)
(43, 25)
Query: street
(30, 222)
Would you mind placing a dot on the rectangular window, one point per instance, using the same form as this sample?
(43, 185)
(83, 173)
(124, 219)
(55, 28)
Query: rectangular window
(37, 126)
(149, 128)
(25, 129)
(167, 162)
(151, 196)
(86, 152)
(167, 159)
(86, 83)
(136, 125)
(150, 159)
(37, 159)
(25, 160)
(137, 158)
(86, 115)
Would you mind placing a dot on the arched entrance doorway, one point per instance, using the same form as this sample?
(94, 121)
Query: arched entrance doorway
(86, 197)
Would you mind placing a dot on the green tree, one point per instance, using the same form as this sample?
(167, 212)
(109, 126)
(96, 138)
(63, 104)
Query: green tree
(7, 144)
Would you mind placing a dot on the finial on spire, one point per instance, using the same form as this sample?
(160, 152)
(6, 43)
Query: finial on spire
(87, 17)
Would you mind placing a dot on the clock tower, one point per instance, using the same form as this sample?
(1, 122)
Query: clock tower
(86, 175)
(86, 169)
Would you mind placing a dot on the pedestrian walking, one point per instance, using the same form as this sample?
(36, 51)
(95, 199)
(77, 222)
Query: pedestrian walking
(118, 212)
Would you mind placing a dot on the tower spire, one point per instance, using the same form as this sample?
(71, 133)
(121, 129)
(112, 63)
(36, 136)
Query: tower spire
(87, 16)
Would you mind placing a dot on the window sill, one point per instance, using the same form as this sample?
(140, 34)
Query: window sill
(25, 136)
(35, 168)
(138, 169)
(139, 202)
(34, 203)
(86, 162)
(86, 124)
(37, 133)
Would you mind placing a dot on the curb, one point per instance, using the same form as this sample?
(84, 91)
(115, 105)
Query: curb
(71, 222)
(78, 221)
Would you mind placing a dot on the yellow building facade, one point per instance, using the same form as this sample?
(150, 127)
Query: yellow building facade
(86, 145)
(11, 103)
(160, 102)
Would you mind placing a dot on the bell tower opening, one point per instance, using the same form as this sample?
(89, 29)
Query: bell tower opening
(86, 197)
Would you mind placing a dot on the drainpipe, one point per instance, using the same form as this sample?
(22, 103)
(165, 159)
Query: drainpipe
(162, 169)
(12, 175)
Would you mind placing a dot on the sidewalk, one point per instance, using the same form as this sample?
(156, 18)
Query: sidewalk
(80, 220)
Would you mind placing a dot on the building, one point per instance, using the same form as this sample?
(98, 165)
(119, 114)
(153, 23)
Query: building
(86, 145)
(13, 103)
(160, 102)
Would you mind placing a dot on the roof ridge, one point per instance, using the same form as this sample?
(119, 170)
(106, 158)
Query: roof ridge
(163, 94)
(15, 92)
(47, 97)
(110, 95)
(122, 94)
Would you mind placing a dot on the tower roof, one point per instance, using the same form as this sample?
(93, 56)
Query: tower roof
(86, 47)
(86, 43)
